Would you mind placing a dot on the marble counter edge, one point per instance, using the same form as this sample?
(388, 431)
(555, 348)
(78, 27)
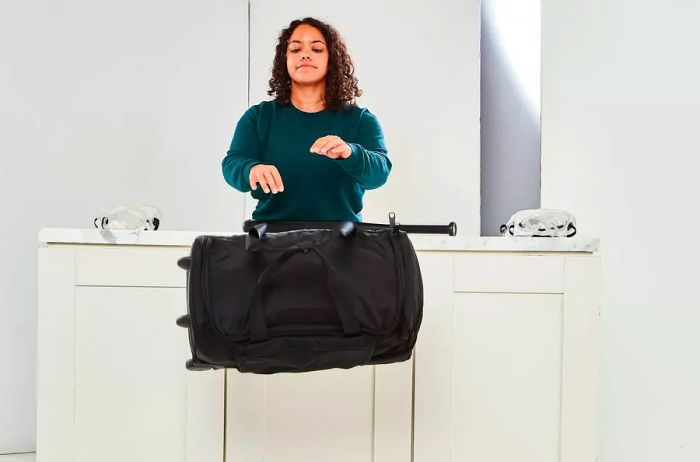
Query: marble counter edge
(420, 242)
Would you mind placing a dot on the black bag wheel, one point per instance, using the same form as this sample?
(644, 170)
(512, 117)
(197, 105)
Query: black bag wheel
(184, 263)
(184, 321)
(193, 366)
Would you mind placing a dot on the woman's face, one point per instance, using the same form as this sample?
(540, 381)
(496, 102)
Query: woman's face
(307, 55)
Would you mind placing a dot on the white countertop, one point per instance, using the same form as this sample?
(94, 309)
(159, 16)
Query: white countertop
(422, 242)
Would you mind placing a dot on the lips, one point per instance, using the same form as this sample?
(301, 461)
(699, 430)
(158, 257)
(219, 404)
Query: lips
(306, 65)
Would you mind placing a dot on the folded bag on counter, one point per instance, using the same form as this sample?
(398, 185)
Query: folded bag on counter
(302, 298)
(540, 223)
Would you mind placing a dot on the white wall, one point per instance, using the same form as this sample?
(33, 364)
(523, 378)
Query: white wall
(510, 110)
(620, 118)
(106, 103)
(418, 65)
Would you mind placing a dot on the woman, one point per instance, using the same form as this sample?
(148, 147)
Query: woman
(311, 153)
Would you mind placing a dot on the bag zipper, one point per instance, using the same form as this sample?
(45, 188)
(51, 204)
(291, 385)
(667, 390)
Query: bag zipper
(398, 274)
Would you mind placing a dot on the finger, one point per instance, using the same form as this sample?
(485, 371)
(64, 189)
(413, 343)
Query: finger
(278, 179)
(269, 179)
(253, 179)
(269, 184)
(328, 143)
(260, 178)
(315, 144)
(333, 147)
(318, 144)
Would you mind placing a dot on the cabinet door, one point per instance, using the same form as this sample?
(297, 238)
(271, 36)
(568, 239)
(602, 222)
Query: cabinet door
(355, 415)
(507, 377)
(134, 399)
(488, 373)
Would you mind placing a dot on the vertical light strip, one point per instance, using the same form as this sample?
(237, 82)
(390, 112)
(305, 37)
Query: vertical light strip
(413, 406)
(562, 334)
(374, 411)
(75, 353)
(223, 459)
(246, 197)
(248, 80)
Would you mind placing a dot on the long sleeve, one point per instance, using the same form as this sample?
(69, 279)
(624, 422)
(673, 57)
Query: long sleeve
(369, 163)
(244, 152)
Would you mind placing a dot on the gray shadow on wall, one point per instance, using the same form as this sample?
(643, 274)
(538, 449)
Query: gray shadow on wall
(510, 137)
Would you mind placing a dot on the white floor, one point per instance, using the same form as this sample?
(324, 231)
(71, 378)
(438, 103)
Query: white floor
(29, 457)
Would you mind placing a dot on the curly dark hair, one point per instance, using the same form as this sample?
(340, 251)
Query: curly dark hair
(341, 83)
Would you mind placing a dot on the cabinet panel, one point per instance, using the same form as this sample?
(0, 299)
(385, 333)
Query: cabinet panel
(507, 377)
(393, 409)
(322, 415)
(55, 355)
(581, 349)
(132, 266)
(509, 273)
(130, 379)
(432, 440)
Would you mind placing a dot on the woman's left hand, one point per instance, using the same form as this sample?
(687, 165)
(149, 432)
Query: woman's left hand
(331, 146)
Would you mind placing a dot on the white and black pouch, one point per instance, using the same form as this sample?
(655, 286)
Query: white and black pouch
(540, 223)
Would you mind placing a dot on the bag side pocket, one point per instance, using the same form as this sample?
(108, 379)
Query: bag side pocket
(302, 354)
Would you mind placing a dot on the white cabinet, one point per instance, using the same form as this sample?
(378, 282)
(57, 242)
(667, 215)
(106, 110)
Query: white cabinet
(111, 382)
(506, 363)
(124, 336)
(505, 369)
(354, 415)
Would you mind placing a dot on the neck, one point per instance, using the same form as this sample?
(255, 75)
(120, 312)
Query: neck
(308, 95)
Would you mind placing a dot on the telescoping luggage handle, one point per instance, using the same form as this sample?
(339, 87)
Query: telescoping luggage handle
(346, 228)
(449, 229)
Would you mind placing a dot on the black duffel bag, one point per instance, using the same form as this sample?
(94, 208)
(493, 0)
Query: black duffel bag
(293, 297)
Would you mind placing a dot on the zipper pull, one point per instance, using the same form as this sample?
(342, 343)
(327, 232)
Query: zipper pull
(392, 221)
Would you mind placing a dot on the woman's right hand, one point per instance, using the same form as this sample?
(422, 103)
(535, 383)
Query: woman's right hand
(268, 176)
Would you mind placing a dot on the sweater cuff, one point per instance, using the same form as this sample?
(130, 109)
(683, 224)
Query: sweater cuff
(355, 160)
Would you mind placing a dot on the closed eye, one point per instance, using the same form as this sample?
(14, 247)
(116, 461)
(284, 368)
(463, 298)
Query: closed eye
(315, 50)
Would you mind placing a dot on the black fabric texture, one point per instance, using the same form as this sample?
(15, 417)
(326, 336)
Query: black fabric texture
(303, 299)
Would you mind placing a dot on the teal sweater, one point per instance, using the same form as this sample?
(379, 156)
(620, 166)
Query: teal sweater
(315, 186)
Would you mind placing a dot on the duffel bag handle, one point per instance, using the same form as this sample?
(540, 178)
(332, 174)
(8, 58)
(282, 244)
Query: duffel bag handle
(255, 238)
(332, 284)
